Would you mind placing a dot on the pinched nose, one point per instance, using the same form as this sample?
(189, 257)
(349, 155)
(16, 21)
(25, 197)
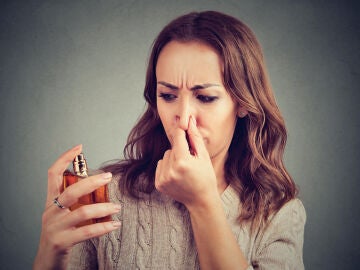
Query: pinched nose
(182, 117)
(183, 121)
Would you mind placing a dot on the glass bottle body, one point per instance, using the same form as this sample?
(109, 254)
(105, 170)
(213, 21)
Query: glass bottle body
(100, 195)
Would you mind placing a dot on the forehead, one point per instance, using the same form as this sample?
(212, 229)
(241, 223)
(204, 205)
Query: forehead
(193, 57)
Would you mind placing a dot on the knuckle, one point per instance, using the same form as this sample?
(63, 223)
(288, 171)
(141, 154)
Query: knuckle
(158, 185)
(104, 226)
(91, 180)
(65, 197)
(167, 154)
(45, 218)
(84, 212)
(57, 242)
(88, 232)
(168, 174)
(99, 229)
(181, 165)
(158, 166)
(171, 175)
(51, 173)
(95, 181)
(177, 136)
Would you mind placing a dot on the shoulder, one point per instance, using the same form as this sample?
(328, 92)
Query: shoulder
(291, 212)
(290, 219)
(279, 245)
(286, 224)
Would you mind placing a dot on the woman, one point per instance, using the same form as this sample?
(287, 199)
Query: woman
(203, 183)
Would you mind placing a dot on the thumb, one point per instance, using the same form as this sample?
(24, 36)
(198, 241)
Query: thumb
(55, 173)
(195, 139)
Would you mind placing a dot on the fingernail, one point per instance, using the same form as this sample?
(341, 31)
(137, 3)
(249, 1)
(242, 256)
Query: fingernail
(117, 207)
(116, 224)
(107, 175)
(77, 147)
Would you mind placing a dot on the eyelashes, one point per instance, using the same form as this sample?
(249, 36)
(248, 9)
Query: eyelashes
(167, 97)
(202, 98)
(206, 99)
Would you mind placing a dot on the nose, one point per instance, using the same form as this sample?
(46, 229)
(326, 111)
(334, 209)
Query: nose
(184, 110)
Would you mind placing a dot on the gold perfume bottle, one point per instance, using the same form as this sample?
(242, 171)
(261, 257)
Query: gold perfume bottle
(80, 173)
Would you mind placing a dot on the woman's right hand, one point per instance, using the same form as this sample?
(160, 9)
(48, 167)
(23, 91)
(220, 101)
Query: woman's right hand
(59, 232)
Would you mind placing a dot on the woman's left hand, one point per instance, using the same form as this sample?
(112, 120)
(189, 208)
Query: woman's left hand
(187, 175)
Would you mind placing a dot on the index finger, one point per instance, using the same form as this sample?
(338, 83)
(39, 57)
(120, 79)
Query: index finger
(180, 145)
(55, 172)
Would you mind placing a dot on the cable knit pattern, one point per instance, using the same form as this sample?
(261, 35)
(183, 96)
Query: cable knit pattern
(144, 233)
(112, 243)
(177, 235)
(156, 234)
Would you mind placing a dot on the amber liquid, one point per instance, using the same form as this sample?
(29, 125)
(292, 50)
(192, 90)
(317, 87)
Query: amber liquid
(100, 195)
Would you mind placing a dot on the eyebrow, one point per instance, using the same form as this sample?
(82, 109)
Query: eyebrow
(194, 88)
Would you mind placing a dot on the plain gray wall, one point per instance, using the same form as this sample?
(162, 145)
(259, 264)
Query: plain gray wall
(73, 72)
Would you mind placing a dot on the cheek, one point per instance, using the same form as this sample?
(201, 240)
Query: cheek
(165, 119)
(205, 126)
(161, 110)
(218, 129)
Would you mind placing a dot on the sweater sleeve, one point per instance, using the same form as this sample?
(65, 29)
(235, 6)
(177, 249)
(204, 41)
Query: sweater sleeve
(83, 256)
(280, 245)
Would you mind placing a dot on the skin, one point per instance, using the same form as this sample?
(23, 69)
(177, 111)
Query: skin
(192, 176)
(199, 118)
(189, 82)
(59, 232)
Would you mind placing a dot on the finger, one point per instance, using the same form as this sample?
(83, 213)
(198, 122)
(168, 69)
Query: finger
(167, 156)
(55, 172)
(158, 171)
(83, 187)
(87, 212)
(195, 139)
(162, 168)
(95, 230)
(180, 146)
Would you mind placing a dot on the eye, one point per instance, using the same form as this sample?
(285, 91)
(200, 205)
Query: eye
(206, 99)
(167, 97)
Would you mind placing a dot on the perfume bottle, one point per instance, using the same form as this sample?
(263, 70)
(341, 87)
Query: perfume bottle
(80, 173)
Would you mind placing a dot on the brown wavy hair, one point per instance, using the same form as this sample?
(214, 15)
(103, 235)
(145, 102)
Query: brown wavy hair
(254, 165)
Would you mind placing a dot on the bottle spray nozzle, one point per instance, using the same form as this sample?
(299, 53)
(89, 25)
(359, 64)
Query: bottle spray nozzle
(80, 165)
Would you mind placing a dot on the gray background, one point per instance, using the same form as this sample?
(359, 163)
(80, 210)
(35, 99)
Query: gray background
(73, 72)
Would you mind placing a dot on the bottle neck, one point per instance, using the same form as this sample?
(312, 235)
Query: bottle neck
(80, 166)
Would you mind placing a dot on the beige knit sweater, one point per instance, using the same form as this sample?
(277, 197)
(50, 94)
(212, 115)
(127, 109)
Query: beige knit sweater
(156, 234)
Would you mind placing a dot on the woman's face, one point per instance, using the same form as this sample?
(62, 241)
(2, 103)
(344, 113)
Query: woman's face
(189, 82)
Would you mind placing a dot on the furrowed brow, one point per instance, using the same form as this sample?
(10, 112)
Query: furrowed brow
(203, 86)
(194, 88)
(169, 85)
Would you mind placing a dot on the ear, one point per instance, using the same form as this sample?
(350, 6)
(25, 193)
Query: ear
(242, 112)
